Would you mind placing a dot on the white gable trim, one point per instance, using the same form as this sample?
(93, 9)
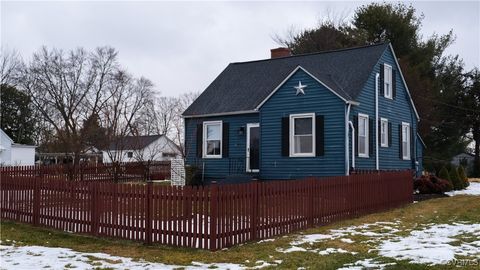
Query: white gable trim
(288, 77)
(219, 114)
(404, 82)
(6, 136)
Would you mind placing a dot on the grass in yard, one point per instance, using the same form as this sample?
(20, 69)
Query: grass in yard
(414, 216)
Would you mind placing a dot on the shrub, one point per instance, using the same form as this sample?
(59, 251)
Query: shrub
(193, 176)
(429, 184)
(457, 183)
(463, 176)
(443, 174)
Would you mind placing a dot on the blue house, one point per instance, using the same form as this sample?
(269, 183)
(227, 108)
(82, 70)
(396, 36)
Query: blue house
(294, 116)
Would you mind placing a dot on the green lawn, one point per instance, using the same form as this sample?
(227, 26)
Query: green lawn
(414, 216)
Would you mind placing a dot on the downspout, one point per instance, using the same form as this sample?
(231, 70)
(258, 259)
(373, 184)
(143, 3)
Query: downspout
(347, 160)
(353, 143)
(376, 121)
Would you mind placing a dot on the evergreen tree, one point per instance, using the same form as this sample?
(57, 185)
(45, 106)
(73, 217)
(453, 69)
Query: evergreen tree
(16, 115)
(463, 176)
(443, 174)
(457, 183)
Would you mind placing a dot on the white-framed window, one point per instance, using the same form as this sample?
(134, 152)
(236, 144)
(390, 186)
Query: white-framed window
(212, 139)
(363, 135)
(383, 132)
(302, 135)
(406, 140)
(387, 81)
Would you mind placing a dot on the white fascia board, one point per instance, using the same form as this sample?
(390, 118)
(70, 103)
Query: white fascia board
(219, 114)
(404, 82)
(288, 77)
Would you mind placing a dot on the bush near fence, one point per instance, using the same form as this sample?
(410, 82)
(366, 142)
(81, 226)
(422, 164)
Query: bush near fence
(211, 217)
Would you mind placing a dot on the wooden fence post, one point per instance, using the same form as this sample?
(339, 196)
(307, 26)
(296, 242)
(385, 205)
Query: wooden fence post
(36, 197)
(93, 208)
(148, 214)
(255, 209)
(310, 186)
(213, 215)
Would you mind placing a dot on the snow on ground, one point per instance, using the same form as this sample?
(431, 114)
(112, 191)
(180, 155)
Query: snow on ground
(434, 245)
(366, 263)
(38, 257)
(473, 189)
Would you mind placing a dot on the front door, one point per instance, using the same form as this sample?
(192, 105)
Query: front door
(253, 147)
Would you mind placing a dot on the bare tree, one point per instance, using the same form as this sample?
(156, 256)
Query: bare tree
(10, 65)
(129, 97)
(178, 124)
(68, 87)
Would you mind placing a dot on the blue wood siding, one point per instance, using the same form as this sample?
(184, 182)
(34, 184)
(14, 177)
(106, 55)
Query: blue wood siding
(284, 102)
(218, 168)
(396, 111)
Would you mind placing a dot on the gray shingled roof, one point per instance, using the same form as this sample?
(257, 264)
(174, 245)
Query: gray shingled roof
(243, 86)
(133, 142)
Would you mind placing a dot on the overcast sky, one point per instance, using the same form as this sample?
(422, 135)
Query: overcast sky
(183, 46)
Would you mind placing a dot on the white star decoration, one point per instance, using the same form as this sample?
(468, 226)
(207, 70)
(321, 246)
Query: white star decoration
(300, 88)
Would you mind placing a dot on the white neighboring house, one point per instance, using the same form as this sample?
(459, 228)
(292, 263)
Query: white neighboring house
(141, 148)
(13, 154)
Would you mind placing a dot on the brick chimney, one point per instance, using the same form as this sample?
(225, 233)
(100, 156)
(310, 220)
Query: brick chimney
(280, 52)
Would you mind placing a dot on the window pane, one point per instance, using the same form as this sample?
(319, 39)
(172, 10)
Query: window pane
(361, 126)
(361, 145)
(404, 133)
(213, 147)
(303, 144)
(213, 132)
(303, 126)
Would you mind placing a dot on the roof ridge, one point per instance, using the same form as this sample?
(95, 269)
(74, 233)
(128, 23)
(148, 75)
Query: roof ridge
(314, 53)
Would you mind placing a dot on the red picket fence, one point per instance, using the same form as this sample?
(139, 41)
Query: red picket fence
(211, 217)
(121, 172)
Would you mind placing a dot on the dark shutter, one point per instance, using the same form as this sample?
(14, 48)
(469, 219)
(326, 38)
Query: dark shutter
(379, 132)
(199, 140)
(320, 136)
(225, 137)
(412, 147)
(400, 148)
(355, 124)
(285, 136)
(371, 132)
(382, 79)
(394, 83)
(389, 134)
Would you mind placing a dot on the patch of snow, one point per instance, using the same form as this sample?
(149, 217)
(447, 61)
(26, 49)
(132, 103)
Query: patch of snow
(311, 238)
(432, 245)
(266, 240)
(366, 263)
(262, 264)
(473, 189)
(38, 257)
(331, 251)
(347, 240)
(291, 249)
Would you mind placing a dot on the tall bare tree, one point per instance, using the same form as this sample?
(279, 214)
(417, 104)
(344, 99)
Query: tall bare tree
(10, 66)
(67, 88)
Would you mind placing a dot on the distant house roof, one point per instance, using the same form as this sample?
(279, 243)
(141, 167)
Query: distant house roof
(133, 142)
(241, 87)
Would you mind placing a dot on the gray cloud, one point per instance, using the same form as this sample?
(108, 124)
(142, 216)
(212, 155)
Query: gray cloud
(182, 46)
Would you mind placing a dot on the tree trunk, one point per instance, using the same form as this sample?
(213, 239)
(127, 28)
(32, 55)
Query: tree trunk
(476, 163)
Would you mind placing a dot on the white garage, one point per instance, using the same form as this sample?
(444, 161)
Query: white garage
(14, 154)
